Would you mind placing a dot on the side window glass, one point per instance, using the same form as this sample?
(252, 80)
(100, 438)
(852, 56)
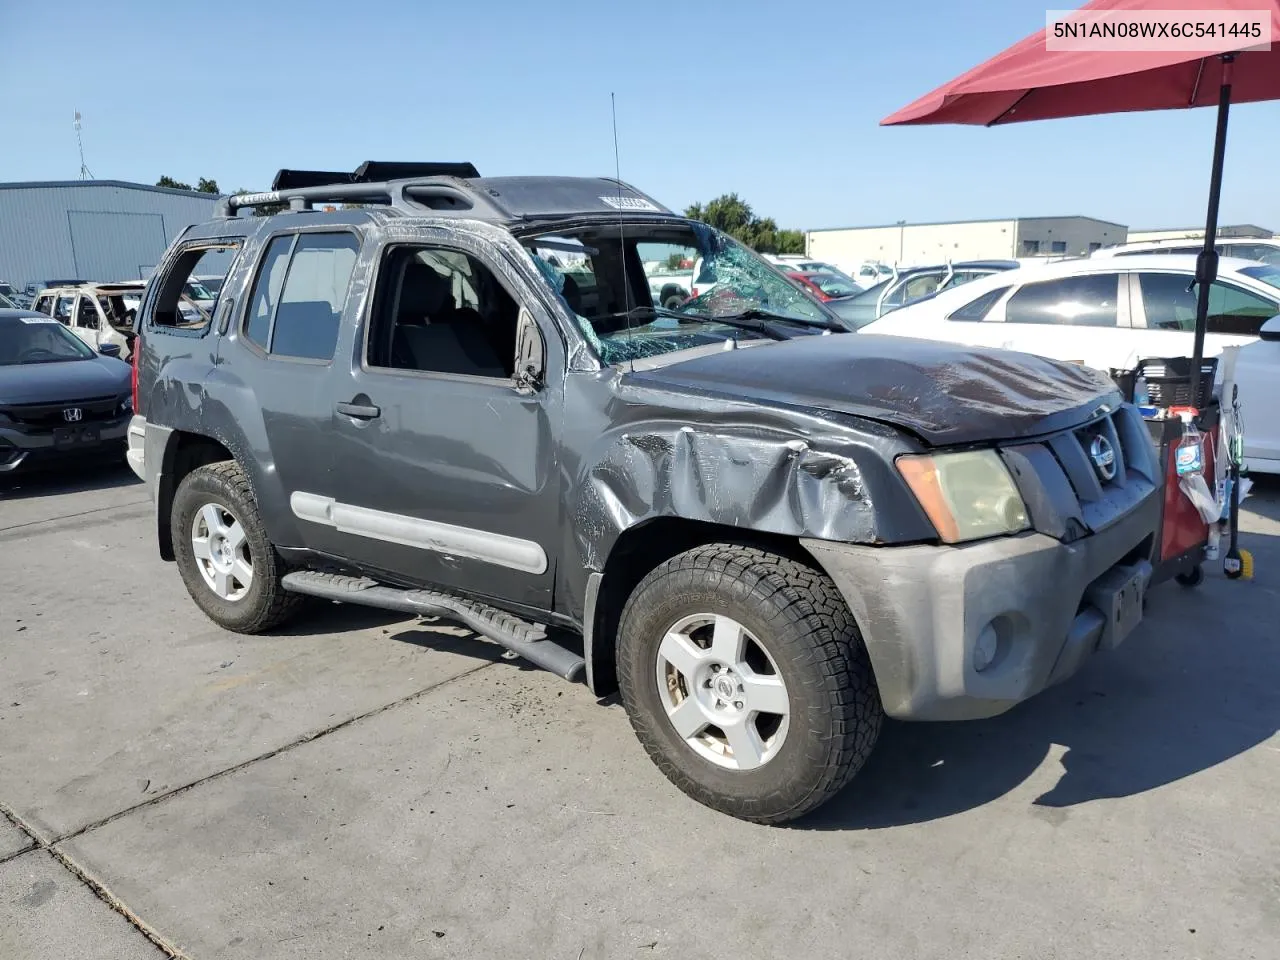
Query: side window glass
(1253, 251)
(1083, 301)
(1168, 301)
(86, 313)
(62, 309)
(266, 291)
(979, 308)
(44, 305)
(1238, 312)
(315, 291)
(443, 311)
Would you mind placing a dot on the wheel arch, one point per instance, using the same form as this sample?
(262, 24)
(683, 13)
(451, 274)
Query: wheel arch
(183, 453)
(636, 552)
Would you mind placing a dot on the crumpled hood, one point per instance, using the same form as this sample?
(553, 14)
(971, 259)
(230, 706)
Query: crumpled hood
(59, 382)
(942, 392)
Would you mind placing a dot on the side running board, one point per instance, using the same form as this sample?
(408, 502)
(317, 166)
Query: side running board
(528, 640)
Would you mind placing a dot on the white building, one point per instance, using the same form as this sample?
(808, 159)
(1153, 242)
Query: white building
(1197, 233)
(927, 243)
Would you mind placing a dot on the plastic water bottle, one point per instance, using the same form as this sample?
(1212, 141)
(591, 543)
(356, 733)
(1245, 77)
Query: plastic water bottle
(1142, 396)
(1189, 457)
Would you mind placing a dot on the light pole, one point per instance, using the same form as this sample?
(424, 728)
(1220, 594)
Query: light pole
(902, 240)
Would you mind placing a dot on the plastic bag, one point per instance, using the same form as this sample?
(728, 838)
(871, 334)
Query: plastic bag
(1195, 489)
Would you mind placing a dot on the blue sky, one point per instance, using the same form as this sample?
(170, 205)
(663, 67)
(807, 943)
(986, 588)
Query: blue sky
(779, 102)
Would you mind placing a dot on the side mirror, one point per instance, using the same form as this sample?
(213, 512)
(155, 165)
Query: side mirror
(109, 349)
(531, 353)
(1271, 330)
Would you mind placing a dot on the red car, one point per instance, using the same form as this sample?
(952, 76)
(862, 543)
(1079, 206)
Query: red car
(825, 286)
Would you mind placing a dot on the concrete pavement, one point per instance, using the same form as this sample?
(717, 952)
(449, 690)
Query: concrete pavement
(365, 786)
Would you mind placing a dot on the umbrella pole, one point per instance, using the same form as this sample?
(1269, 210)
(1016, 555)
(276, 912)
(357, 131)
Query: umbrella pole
(1207, 261)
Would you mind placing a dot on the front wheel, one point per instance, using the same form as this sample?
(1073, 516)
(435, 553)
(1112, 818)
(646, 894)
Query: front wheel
(746, 680)
(230, 568)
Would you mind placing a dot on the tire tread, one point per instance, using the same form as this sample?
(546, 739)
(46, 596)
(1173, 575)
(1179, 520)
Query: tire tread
(808, 614)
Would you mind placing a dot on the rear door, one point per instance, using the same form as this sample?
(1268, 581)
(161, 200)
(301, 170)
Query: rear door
(282, 343)
(1083, 318)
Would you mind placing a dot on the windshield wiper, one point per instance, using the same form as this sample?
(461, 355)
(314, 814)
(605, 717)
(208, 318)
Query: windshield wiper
(757, 314)
(739, 321)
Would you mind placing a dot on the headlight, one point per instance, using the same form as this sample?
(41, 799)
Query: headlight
(967, 495)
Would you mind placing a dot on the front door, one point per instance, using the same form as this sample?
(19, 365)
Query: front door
(443, 468)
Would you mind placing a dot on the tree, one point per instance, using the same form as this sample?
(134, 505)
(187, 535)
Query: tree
(205, 185)
(734, 216)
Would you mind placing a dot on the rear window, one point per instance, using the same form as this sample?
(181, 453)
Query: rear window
(301, 290)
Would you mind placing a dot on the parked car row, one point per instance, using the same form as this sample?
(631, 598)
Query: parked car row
(1110, 312)
(103, 313)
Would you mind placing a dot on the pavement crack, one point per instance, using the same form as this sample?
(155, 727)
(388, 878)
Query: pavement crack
(71, 516)
(119, 906)
(292, 744)
(95, 886)
(34, 841)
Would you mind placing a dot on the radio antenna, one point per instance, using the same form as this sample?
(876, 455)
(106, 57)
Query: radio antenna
(622, 234)
(85, 172)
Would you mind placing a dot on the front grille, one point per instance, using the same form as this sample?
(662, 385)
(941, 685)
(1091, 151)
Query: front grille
(1086, 478)
(50, 415)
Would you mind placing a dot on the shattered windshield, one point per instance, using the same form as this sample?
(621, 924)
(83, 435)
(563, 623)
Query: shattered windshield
(640, 290)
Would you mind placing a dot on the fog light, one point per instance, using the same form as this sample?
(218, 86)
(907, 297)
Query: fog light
(984, 649)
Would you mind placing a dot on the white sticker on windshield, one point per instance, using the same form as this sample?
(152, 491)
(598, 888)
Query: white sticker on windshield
(630, 203)
(37, 320)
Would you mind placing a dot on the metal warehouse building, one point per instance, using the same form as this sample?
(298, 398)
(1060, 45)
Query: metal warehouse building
(928, 243)
(97, 230)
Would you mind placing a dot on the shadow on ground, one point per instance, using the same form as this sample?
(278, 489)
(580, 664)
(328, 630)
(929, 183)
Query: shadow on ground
(66, 480)
(1198, 684)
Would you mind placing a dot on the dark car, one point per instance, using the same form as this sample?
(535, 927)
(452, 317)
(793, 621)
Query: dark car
(912, 284)
(461, 400)
(59, 400)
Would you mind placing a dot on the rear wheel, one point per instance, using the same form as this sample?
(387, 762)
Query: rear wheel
(747, 682)
(230, 568)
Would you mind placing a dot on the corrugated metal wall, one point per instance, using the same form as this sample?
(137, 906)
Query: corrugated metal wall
(93, 230)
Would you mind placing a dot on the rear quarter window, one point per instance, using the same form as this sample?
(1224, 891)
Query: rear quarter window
(978, 309)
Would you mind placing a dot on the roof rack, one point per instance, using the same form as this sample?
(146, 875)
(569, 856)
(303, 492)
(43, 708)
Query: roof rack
(450, 189)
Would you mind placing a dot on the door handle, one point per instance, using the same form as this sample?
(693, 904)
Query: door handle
(361, 411)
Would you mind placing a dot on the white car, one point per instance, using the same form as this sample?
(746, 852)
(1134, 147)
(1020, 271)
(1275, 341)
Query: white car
(1110, 313)
(1242, 248)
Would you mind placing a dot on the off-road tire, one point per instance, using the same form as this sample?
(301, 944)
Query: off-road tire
(267, 604)
(798, 616)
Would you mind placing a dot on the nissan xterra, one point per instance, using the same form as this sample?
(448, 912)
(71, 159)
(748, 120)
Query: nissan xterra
(455, 396)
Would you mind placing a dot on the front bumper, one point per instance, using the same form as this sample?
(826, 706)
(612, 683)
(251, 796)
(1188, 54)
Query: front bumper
(26, 449)
(922, 610)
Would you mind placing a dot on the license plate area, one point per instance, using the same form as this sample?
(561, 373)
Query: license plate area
(1118, 595)
(68, 437)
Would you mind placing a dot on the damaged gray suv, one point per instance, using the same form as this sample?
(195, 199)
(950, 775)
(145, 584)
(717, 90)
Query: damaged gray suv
(454, 396)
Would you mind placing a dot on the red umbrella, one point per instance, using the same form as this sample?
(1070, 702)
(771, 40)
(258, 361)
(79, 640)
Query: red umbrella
(1030, 82)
